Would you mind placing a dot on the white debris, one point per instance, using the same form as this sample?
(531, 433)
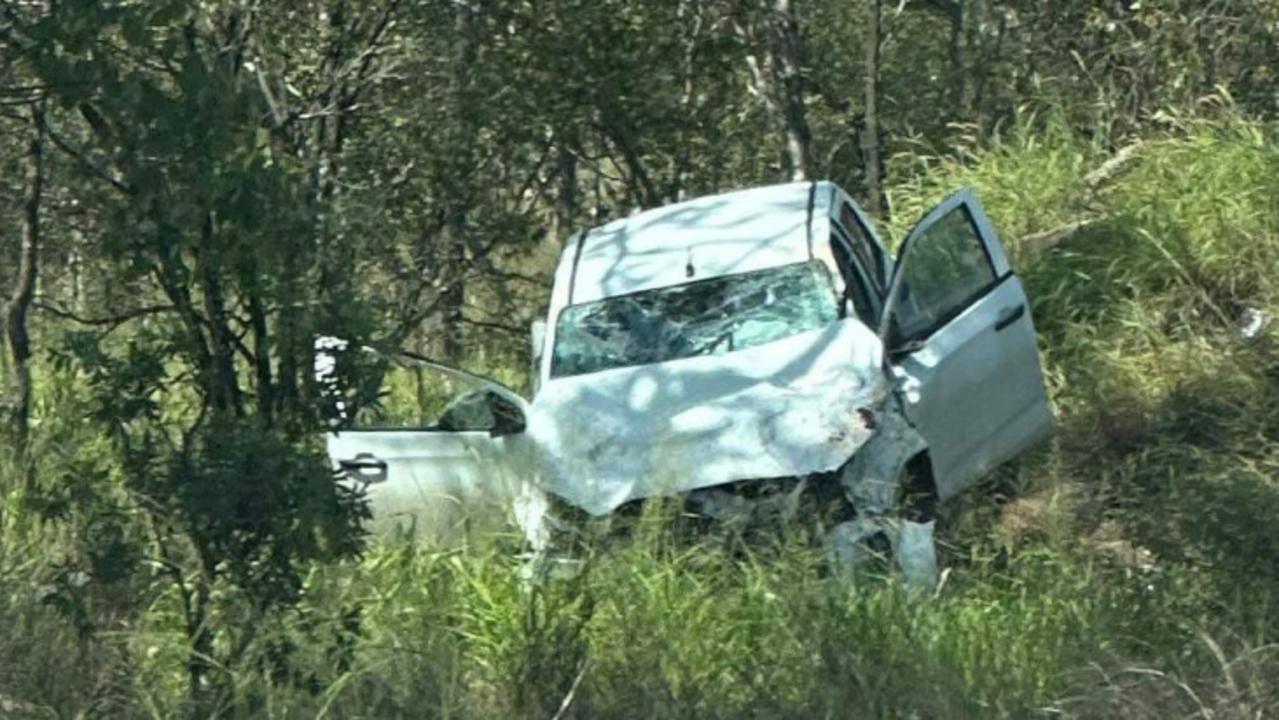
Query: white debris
(917, 555)
(848, 544)
(1252, 323)
(530, 508)
(325, 370)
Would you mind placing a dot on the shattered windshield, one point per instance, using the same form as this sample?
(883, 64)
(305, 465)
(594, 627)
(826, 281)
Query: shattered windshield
(708, 317)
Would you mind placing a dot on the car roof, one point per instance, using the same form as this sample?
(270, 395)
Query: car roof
(723, 234)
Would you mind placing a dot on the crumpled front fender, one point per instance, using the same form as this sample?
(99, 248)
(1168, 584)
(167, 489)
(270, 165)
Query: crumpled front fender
(872, 482)
(872, 478)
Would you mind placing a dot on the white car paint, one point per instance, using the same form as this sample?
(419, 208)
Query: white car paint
(976, 389)
(431, 480)
(723, 234)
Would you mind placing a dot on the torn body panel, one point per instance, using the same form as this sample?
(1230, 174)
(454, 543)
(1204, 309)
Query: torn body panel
(873, 477)
(873, 481)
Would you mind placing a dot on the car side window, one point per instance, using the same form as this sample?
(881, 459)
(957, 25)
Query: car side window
(947, 268)
(854, 281)
(868, 252)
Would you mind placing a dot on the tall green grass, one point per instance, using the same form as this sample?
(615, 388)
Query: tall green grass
(656, 631)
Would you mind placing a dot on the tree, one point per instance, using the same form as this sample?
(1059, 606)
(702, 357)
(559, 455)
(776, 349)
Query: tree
(870, 130)
(24, 286)
(774, 52)
(203, 399)
(191, 194)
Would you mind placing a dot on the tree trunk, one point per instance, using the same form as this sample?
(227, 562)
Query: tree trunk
(970, 21)
(24, 288)
(958, 45)
(566, 196)
(690, 18)
(617, 130)
(454, 300)
(223, 382)
(457, 217)
(870, 132)
(261, 357)
(774, 65)
(959, 76)
(799, 137)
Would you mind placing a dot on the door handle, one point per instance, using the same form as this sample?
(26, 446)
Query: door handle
(365, 468)
(1008, 316)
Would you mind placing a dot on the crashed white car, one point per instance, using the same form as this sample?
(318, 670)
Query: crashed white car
(762, 334)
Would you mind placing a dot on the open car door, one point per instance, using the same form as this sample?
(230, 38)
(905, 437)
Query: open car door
(438, 447)
(958, 330)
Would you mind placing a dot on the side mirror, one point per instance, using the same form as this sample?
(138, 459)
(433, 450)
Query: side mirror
(507, 418)
(537, 345)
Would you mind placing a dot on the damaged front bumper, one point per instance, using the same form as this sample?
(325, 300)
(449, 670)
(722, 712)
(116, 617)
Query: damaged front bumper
(852, 508)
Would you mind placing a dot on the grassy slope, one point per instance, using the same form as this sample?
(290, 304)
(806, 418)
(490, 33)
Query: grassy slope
(1136, 574)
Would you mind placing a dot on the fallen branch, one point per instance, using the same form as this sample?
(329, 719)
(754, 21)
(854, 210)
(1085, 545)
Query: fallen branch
(1049, 239)
(1112, 167)
(491, 325)
(572, 692)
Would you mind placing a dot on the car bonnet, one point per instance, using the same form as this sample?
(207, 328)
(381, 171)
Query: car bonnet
(786, 408)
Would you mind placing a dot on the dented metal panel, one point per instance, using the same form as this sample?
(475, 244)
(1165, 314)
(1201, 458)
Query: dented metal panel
(786, 408)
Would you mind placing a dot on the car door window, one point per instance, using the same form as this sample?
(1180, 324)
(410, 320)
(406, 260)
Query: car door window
(948, 268)
(412, 397)
(408, 394)
(855, 284)
(480, 410)
(867, 250)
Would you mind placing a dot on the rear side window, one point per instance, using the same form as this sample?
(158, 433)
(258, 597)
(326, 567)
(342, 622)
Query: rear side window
(946, 270)
(867, 250)
(854, 283)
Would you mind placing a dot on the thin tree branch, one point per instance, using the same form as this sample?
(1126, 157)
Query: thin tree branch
(493, 325)
(112, 321)
(522, 277)
(98, 171)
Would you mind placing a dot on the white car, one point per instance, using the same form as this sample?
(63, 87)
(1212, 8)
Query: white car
(765, 333)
